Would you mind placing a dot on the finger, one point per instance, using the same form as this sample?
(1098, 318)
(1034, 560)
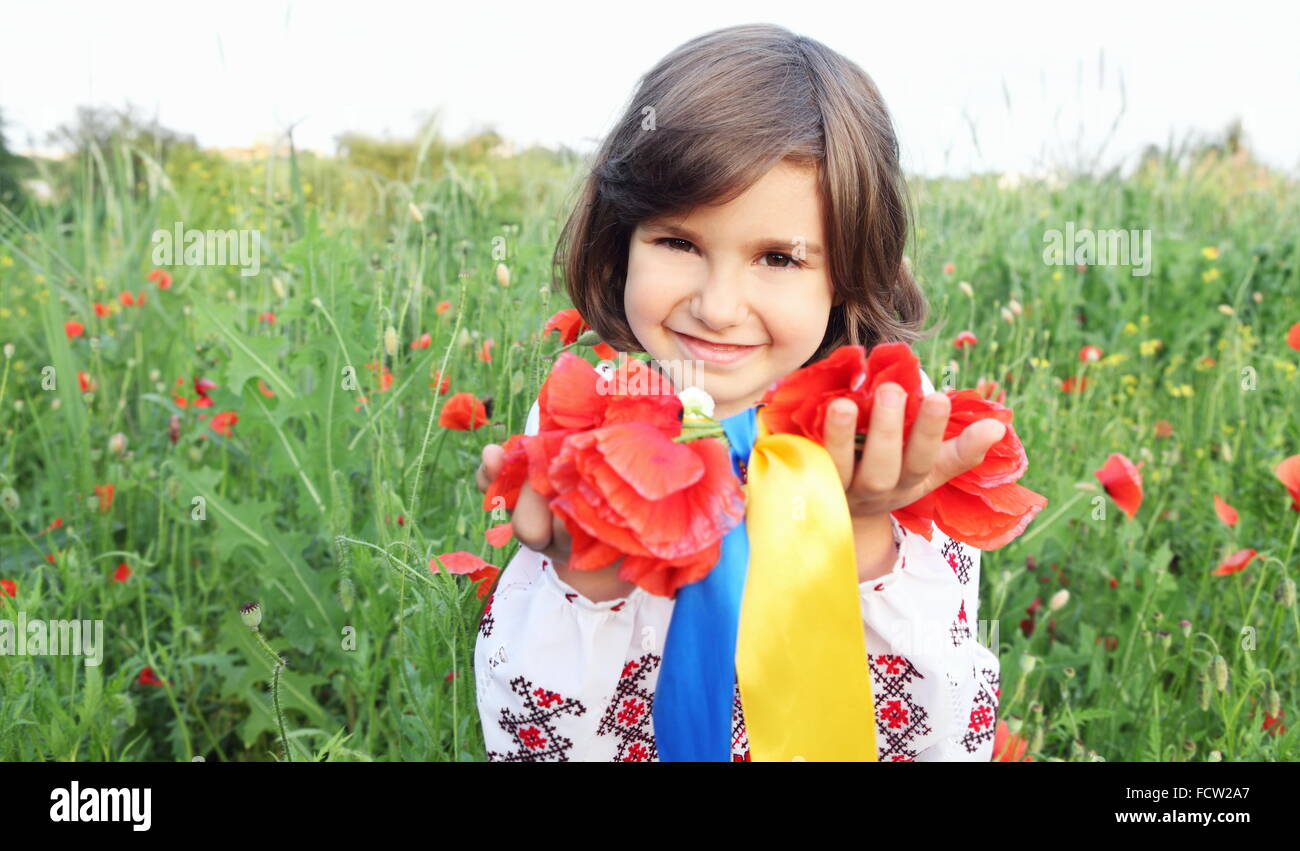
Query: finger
(561, 546)
(969, 448)
(531, 522)
(837, 436)
(493, 457)
(882, 457)
(925, 439)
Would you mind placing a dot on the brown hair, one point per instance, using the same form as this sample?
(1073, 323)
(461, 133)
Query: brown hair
(710, 119)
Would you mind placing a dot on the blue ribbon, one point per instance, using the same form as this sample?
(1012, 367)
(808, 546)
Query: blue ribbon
(697, 678)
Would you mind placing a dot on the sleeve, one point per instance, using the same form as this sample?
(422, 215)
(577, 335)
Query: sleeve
(559, 677)
(935, 684)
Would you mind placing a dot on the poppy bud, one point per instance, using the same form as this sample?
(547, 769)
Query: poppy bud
(9, 350)
(1059, 599)
(9, 499)
(345, 594)
(966, 288)
(1203, 692)
(1166, 638)
(503, 275)
(1008, 315)
(1030, 563)
(1027, 662)
(545, 292)
(174, 429)
(117, 443)
(415, 212)
(1285, 593)
(1214, 756)
(1220, 668)
(1226, 310)
(1186, 626)
(1272, 702)
(1036, 743)
(1069, 673)
(1036, 708)
(1014, 724)
(1015, 307)
(251, 615)
(588, 338)
(390, 341)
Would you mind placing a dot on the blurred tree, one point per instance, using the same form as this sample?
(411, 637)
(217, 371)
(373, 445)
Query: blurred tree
(113, 132)
(13, 169)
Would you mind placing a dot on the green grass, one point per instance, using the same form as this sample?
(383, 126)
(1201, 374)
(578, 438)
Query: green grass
(299, 506)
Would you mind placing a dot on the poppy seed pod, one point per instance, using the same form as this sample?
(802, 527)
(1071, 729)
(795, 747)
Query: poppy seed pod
(1186, 627)
(9, 499)
(251, 615)
(1059, 599)
(9, 350)
(1203, 692)
(390, 341)
(966, 288)
(1214, 756)
(1273, 702)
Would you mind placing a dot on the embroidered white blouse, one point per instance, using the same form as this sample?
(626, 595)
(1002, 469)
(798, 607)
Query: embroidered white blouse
(560, 677)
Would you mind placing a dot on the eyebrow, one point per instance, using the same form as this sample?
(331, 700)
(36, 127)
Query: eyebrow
(686, 233)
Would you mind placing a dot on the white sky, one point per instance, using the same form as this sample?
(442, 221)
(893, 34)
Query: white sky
(234, 72)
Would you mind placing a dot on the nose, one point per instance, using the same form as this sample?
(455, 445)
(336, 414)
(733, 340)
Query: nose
(721, 302)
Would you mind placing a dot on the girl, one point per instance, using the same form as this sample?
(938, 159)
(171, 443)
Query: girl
(746, 216)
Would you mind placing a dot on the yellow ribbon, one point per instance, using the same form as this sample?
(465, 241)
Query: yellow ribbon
(801, 654)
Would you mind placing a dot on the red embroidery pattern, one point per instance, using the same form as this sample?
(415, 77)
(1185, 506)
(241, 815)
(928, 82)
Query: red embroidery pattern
(959, 558)
(960, 629)
(984, 712)
(486, 622)
(628, 715)
(739, 734)
(532, 729)
(900, 720)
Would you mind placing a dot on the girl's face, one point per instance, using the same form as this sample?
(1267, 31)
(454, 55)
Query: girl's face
(752, 273)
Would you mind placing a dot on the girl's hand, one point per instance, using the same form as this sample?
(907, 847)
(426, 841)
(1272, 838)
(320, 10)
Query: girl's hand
(887, 477)
(537, 528)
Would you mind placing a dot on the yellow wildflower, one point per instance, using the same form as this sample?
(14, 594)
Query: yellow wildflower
(1130, 328)
(1149, 347)
(6, 261)
(1111, 360)
(1209, 252)
(1210, 274)
(1056, 276)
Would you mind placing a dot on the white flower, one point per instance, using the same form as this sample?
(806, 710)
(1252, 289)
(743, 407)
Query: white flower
(1059, 599)
(696, 403)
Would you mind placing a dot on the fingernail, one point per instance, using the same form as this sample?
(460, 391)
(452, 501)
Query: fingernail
(893, 399)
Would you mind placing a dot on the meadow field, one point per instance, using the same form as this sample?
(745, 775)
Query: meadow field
(179, 440)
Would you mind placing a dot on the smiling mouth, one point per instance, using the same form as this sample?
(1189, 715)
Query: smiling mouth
(714, 353)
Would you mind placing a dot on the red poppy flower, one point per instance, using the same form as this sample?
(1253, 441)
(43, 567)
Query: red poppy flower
(1226, 512)
(180, 401)
(982, 507)
(1234, 563)
(385, 377)
(126, 298)
(1090, 354)
(101, 309)
(85, 382)
(463, 412)
(266, 317)
(147, 678)
(161, 277)
(569, 323)
(1008, 746)
(605, 457)
(605, 351)
(949, 268)
(442, 386)
(423, 343)
(264, 390)
(105, 494)
(1272, 725)
(122, 573)
(443, 307)
(1074, 385)
(203, 385)
(221, 423)
(468, 564)
(451, 675)
(73, 328)
(499, 535)
(1122, 481)
(139, 298)
(1288, 473)
(8, 587)
(1164, 428)
(485, 353)
(965, 338)
(1293, 337)
(989, 390)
